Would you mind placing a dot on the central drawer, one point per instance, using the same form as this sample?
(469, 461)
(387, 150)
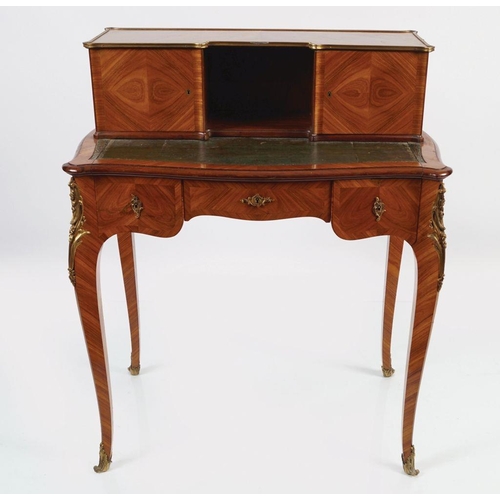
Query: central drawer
(257, 200)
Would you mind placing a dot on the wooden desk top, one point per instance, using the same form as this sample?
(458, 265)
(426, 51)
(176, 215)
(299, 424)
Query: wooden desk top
(315, 39)
(238, 158)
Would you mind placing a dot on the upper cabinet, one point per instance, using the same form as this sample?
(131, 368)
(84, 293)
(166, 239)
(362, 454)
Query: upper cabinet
(321, 85)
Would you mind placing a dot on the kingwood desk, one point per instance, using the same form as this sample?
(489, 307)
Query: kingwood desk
(317, 123)
(151, 186)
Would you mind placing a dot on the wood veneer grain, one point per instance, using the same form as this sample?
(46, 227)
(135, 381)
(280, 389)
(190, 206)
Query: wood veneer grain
(360, 92)
(147, 90)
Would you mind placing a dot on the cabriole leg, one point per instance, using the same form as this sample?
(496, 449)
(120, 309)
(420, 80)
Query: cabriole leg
(83, 267)
(126, 248)
(430, 254)
(394, 253)
(89, 305)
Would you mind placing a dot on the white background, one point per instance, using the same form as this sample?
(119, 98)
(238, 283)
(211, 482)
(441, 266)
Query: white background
(260, 342)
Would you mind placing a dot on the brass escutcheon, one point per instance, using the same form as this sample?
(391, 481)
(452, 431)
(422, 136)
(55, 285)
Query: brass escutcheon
(136, 205)
(378, 209)
(256, 200)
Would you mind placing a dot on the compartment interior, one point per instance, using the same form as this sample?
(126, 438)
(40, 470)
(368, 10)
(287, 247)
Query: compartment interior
(259, 90)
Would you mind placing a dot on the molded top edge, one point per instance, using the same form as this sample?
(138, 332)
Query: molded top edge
(314, 39)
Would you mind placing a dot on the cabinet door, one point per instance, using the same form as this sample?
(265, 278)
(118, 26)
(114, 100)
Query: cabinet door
(147, 90)
(369, 92)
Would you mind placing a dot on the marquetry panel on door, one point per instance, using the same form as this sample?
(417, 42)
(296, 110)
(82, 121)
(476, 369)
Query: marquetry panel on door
(257, 201)
(368, 92)
(375, 207)
(147, 90)
(142, 205)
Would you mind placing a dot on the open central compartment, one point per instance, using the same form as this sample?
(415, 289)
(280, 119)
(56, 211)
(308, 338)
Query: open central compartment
(259, 91)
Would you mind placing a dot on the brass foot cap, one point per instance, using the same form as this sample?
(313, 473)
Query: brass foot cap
(134, 370)
(409, 463)
(387, 371)
(104, 460)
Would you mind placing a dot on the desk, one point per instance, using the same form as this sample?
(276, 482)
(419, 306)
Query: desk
(365, 183)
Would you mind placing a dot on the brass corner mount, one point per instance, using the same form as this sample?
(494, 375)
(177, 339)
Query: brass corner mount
(438, 234)
(76, 231)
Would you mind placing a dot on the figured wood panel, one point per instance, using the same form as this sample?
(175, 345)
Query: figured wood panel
(290, 199)
(161, 200)
(147, 90)
(352, 208)
(363, 92)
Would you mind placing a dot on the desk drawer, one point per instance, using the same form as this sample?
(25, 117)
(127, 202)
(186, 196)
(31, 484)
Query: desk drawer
(365, 208)
(257, 200)
(142, 205)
